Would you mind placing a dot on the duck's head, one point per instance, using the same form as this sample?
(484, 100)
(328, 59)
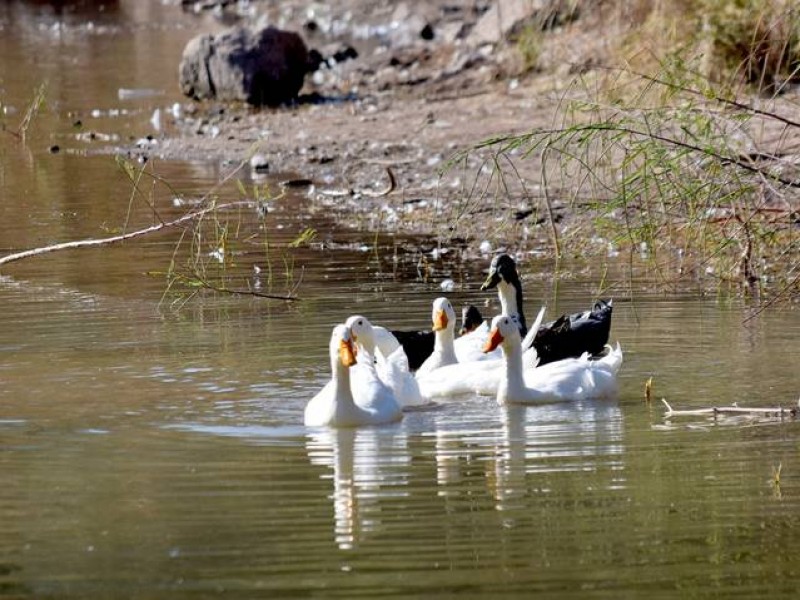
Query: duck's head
(361, 332)
(503, 268)
(341, 347)
(443, 315)
(471, 318)
(503, 328)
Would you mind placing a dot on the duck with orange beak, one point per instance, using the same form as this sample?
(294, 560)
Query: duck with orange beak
(568, 379)
(378, 375)
(569, 336)
(334, 405)
(444, 321)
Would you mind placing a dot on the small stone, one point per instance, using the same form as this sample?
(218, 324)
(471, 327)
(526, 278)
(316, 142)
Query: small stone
(259, 163)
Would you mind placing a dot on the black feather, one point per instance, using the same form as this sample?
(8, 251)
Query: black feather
(572, 335)
(418, 345)
(471, 319)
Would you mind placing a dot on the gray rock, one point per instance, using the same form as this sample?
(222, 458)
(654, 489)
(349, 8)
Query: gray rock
(408, 26)
(507, 17)
(263, 66)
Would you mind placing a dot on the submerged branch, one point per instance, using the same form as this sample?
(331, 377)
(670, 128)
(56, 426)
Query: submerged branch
(199, 282)
(730, 410)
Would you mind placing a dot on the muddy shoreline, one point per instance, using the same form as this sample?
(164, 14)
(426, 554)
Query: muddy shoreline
(407, 104)
(345, 147)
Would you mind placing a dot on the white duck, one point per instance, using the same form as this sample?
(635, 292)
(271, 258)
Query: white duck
(419, 346)
(568, 379)
(474, 377)
(444, 322)
(390, 375)
(334, 405)
(469, 347)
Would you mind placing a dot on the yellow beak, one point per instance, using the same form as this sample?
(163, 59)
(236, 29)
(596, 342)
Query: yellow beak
(439, 320)
(347, 353)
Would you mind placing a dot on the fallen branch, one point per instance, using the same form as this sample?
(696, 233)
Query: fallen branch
(120, 238)
(731, 410)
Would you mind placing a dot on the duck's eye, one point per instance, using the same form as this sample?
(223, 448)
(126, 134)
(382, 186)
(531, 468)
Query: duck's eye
(360, 322)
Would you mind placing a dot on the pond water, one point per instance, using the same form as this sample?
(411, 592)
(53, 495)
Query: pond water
(154, 448)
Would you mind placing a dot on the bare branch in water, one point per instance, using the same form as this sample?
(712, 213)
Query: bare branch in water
(119, 238)
(731, 410)
(199, 282)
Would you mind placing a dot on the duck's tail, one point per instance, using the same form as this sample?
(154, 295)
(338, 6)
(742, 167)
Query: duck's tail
(531, 335)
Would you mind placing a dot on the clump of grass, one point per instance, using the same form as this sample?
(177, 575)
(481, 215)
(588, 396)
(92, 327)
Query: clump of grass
(674, 171)
(32, 110)
(776, 480)
(758, 39)
(528, 43)
(215, 249)
(756, 42)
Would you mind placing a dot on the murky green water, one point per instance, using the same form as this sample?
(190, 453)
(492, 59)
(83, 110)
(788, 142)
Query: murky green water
(155, 450)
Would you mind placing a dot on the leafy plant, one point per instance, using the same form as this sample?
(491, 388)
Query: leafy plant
(675, 173)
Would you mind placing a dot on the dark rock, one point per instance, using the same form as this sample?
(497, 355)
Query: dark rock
(264, 66)
(330, 56)
(297, 183)
(315, 60)
(345, 53)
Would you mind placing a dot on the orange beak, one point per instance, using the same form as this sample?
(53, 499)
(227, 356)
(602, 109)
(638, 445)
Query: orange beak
(439, 320)
(347, 353)
(494, 340)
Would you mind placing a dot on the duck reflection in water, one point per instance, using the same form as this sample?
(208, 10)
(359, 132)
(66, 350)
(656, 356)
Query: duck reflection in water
(369, 465)
(536, 442)
(527, 446)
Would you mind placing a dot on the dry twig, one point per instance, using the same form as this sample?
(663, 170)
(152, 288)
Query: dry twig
(731, 410)
(118, 238)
